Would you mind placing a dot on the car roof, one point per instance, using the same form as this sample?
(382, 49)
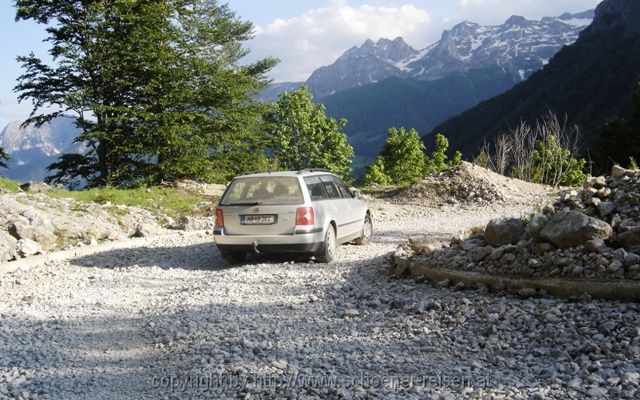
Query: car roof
(302, 172)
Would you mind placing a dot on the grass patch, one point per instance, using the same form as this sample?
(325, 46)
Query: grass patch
(9, 184)
(169, 201)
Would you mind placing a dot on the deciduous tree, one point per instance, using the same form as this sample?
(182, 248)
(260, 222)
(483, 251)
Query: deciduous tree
(156, 87)
(302, 136)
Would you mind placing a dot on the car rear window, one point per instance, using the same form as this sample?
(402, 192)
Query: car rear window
(316, 188)
(278, 190)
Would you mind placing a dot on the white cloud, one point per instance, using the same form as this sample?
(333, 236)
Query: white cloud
(321, 35)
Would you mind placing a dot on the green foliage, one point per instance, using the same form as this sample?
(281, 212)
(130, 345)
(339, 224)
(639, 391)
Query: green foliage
(301, 136)
(8, 184)
(633, 164)
(438, 161)
(403, 156)
(155, 87)
(375, 174)
(456, 160)
(554, 165)
(403, 160)
(169, 201)
(482, 159)
(3, 158)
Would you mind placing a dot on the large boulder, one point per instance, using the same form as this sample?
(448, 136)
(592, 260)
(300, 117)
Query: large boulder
(146, 230)
(422, 244)
(630, 239)
(40, 230)
(27, 247)
(7, 246)
(573, 228)
(189, 223)
(503, 231)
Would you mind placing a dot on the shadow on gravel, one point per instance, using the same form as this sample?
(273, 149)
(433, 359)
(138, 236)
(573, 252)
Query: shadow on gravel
(203, 256)
(332, 326)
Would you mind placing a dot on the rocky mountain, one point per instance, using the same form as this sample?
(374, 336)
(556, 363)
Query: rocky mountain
(588, 82)
(359, 66)
(33, 149)
(519, 46)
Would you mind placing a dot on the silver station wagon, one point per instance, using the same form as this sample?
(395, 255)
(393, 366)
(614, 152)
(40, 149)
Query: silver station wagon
(307, 211)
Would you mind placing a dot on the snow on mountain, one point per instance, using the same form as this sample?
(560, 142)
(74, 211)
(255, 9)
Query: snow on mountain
(363, 65)
(519, 46)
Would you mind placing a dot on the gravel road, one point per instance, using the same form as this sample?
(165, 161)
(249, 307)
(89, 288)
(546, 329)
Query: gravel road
(172, 320)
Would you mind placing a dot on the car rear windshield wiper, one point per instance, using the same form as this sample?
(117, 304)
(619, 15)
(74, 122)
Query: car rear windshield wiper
(252, 203)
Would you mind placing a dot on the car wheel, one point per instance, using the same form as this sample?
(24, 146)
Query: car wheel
(328, 251)
(234, 257)
(367, 231)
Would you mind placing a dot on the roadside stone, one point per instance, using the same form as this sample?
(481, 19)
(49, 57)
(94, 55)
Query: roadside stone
(188, 223)
(422, 244)
(631, 259)
(7, 246)
(35, 187)
(499, 232)
(595, 182)
(605, 208)
(480, 253)
(573, 228)
(145, 230)
(630, 238)
(594, 245)
(472, 244)
(27, 247)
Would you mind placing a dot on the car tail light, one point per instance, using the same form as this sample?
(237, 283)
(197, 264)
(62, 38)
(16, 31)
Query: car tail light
(219, 217)
(305, 216)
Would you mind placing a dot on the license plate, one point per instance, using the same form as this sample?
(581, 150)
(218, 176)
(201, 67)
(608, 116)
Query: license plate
(257, 219)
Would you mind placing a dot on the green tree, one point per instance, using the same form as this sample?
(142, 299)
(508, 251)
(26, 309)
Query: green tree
(4, 157)
(375, 174)
(403, 155)
(554, 165)
(301, 136)
(438, 160)
(155, 87)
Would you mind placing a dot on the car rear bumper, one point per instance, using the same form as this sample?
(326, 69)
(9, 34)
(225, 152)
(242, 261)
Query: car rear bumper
(303, 241)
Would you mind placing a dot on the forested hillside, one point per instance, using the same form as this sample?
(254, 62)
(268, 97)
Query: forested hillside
(588, 82)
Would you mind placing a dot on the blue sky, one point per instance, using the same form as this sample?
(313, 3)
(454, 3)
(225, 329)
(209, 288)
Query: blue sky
(304, 35)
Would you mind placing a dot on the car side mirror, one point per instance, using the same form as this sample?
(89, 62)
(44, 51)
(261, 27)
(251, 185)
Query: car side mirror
(356, 193)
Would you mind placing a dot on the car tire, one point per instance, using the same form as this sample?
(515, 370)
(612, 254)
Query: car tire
(234, 257)
(328, 251)
(367, 231)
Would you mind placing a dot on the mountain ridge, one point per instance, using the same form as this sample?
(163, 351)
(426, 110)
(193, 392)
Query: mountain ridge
(588, 82)
(519, 45)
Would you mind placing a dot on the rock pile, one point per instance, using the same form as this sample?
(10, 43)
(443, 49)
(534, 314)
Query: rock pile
(34, 223)
(469, 184)
(591, 233)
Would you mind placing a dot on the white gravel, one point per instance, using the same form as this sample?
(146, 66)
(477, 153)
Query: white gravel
(173, 320)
